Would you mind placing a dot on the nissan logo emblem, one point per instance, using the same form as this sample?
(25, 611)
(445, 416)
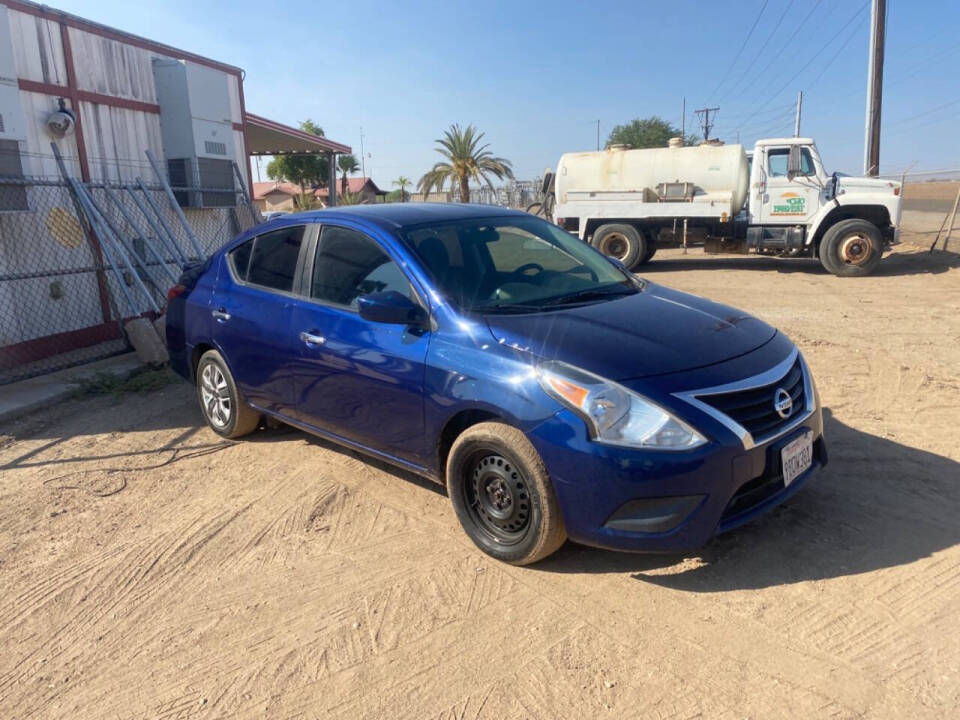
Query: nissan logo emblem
(782, 403)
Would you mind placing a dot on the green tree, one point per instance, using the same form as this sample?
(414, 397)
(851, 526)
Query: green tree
(651, 132)
(350, 198)
(307, 171)
(402, 182)
(348, 166)
(465, 158)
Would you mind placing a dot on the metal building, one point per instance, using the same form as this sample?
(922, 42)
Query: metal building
(106, 97)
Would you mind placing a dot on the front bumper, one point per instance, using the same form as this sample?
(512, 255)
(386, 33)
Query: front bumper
(655, 501)
(607, 494)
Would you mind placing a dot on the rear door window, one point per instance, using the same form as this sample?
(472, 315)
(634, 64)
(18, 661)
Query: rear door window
(272, 260)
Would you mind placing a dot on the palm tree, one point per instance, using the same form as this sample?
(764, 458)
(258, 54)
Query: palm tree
(348, 165)
(402, 182)
(465, 158)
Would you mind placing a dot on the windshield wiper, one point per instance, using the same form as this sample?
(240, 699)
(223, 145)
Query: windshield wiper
(510, 308)
(591, 294)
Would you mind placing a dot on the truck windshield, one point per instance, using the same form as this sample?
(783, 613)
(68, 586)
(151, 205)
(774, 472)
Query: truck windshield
(514, 264)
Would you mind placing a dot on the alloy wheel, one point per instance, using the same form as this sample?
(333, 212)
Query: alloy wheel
(215, 395)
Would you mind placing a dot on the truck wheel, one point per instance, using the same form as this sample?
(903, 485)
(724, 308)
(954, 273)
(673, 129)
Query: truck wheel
(851, 248)
(622, 242)
(651, 251)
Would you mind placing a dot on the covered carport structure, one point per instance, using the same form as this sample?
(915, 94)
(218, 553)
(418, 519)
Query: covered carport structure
(268, 137)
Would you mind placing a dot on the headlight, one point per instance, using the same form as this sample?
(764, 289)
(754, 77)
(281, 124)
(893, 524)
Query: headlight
(615, 415)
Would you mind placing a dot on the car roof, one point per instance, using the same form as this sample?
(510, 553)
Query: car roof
(399, 215)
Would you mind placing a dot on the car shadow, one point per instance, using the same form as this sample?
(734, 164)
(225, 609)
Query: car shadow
(877, 504)
(895, 264)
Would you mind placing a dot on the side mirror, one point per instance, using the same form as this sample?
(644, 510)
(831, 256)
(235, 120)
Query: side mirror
(793, 162)
(389, 306)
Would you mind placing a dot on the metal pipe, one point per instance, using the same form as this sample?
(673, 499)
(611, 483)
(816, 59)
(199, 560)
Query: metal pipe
(104, 247)
(684, 236)
(159, 214)
(174, 204)
(140, 236)
(130, 248)
(176, 257)
(163, 230)
(118, 247)
(254, 213)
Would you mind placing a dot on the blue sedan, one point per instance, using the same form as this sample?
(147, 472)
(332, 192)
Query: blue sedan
(556, 395)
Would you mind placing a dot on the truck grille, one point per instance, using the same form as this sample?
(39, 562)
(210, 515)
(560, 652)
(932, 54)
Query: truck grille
(754, 410)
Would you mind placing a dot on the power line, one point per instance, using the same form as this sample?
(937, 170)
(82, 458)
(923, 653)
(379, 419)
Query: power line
(816, 55)
(740, 51)
(790, 39)
(925, 112)
(763, 47)
(833, 59)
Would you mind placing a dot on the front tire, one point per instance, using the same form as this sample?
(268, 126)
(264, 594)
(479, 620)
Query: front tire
(851, 248)
(621, 242)
(224, 410)
(502, 494)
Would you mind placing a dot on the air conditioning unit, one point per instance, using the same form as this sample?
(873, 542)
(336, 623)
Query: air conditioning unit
(197, 132)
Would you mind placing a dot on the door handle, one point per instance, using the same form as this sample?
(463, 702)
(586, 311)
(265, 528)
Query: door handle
(312, 339)
(220, 315)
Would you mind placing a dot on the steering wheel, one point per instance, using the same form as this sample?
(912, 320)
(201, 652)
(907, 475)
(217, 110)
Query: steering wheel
(587, 269)
(522, 270)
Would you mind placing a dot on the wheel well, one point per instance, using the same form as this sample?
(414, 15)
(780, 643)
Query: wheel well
(198, 352)
(594, 223)
(456, 425)
(876, 214)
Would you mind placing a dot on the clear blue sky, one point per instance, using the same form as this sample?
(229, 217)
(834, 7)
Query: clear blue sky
(536, 76)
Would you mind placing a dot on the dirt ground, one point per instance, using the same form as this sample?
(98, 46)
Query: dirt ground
(934, 196)
(153, 570)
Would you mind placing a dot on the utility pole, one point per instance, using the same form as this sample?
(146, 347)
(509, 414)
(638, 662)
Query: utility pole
(683, 120)
(871, 146)
(598, 136)
(796, 123)
(705, 124)
(363, 163)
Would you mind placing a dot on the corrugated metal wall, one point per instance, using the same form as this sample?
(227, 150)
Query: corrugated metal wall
(115, 140)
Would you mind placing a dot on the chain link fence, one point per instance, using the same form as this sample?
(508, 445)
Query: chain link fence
(64, 290)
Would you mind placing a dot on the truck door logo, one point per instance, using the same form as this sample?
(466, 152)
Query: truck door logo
(790, 203)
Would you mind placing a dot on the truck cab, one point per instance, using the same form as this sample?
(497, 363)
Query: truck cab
(794, 206)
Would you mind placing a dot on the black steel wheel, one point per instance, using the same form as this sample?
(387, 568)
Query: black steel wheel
(502, 494)
(497, 497)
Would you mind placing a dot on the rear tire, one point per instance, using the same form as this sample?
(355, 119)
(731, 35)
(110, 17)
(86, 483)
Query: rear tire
(224, 410)
(621, 242)
(651, 251)
(851, 248)
(502, 494)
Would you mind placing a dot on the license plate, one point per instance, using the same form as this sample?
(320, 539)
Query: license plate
(797, 457)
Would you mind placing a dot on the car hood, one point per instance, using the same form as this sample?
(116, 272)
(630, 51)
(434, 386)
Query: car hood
(853, 184)
(652, 332)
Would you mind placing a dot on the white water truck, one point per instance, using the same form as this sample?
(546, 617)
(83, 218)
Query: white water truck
(778, 201)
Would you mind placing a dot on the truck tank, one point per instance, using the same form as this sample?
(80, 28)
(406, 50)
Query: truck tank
(716, 172)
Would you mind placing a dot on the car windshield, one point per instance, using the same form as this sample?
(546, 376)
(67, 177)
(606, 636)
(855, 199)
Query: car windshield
(514, 264)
